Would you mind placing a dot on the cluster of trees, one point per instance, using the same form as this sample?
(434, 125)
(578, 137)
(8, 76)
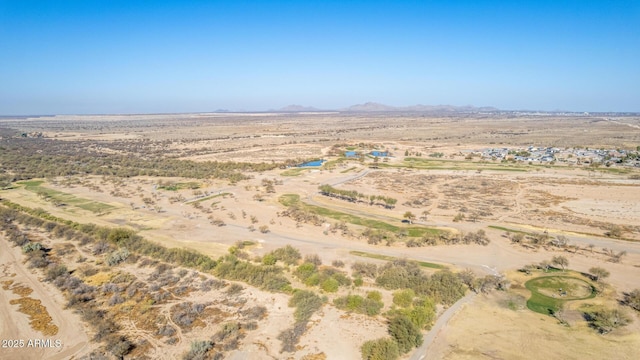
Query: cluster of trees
(448, 238)
(355, 196)
(301, 215)
(267, 277)
(40, 158)
(369, 305)
(328, 279)
(443, 286)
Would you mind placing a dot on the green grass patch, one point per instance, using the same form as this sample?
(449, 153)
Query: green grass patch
(208, 198)
(65, 198)
(181, 186)
(549, 293)
(293, 172)
(509, 230)
(392, 258)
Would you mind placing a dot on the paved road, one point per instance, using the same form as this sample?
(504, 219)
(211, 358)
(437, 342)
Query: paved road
(441, 323)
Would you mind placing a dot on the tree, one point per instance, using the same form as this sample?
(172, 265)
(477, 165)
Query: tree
(606, 320)
(599, 273)
(560, 261)
(409, 216)
(425, 213)
(405, 333)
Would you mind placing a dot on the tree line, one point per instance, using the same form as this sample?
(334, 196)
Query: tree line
(355, 196)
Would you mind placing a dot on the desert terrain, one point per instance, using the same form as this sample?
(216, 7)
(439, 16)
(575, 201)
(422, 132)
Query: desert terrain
(179, 229)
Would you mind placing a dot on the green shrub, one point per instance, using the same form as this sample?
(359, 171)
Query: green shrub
(405, 333)
(357, 303)
(380, 349)
(374, 295)
(288, 255)
(330, 285)
(403, 298)
(269, 259)
(306, 303)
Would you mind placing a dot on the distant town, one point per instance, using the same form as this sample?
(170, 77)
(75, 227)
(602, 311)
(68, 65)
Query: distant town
(571, 156)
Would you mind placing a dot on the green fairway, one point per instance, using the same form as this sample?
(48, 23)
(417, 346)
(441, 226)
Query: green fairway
(391, 258)
(549, 293)
(65, 198)
(413, 231)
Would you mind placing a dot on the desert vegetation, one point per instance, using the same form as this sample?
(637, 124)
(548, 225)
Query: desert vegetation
(194, 236)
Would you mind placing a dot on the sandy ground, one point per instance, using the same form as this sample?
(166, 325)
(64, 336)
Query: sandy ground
(561, 201)
(15, 325)
(486, 330)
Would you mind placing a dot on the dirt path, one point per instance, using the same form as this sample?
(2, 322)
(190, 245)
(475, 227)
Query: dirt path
(440, 324)
(15, 325)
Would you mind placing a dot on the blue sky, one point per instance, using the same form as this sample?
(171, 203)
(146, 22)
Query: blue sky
(76, 57)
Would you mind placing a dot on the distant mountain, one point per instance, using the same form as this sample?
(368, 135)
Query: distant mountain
(377, 107)
(297, 108)
(370, 106)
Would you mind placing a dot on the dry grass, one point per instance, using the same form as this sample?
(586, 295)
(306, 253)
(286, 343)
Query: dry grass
(39, 318)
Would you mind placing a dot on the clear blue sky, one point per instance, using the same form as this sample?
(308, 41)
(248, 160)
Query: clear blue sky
(131, 56)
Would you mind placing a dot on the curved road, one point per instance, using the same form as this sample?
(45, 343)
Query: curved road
(442, 321)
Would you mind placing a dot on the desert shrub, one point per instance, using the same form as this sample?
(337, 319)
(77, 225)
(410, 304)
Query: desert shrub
(269, 259)
(185, 314)
(369, 270)
(265, 277)
(31, 246)
(288, 255)
(291, 337)
(256, 312)
(115, 299)
(54, 271)
(234, 289)
(306, 303)
(337, 263)
(305, 270)
(422, 312)
(405, 333)
(403, 298)
(101, 248)
(342, 279)
(209, 284)
(119, 346)
(400, 274)
(166, 330)
(380, 349)
(357, 303)
(110, 288)
(117, 257)
(198, 350)
(632, 299)
(228, 331)
(358, 281)
(330, 285)
(606, 320)
(38, 259)
(313, 259)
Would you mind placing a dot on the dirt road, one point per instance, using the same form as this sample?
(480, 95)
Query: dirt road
(15, 325)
